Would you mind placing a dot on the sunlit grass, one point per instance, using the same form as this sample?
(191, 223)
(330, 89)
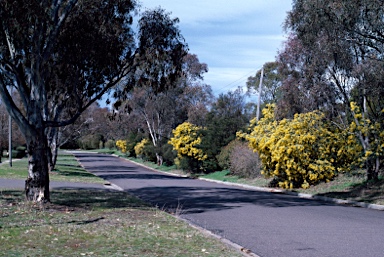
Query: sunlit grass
(67, 169)
(93, 222)
(97, 223)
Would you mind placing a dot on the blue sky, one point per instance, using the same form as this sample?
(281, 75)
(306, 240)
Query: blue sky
(235, 38)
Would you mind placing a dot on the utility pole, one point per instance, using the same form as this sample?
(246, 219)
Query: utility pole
(260, 91)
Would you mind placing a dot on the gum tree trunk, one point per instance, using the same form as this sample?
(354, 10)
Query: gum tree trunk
(37, 183)
(52, 149)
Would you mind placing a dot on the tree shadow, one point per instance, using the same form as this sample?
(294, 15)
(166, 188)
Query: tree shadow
(141, 176)
(77, 199)
(95, 157)
(70, 206)
(207, 199)
(92, 198)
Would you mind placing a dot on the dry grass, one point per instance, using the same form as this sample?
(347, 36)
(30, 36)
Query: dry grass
(97, 223)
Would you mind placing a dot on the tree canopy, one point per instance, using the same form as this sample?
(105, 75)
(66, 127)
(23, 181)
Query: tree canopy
(333, 59)
(60, 56)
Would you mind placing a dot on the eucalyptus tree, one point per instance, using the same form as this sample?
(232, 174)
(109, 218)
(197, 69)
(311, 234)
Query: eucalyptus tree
(341, 54)
(166, 79)
(60, 56)
(272, 80)
(160, 52)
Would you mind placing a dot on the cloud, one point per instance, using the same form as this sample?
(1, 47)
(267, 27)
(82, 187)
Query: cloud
(235, 38)
(201, 11)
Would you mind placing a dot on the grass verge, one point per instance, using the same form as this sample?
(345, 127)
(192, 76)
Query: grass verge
(67, 169)
(348, 186)
(97, 223)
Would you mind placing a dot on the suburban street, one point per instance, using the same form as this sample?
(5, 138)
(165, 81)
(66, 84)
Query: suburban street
(269, 224)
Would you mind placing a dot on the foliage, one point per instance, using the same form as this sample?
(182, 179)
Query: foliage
(271, 83)
(139, 147)
(47, 58)
(239, 159)
(168, 154)
(122, 145)
(186, 141)
(334, 57)
(165, 69)
(302, 151)
(91, 141)
(372, 134)
(244, 162)
(226, 117)
(110, 144)
(223, 159)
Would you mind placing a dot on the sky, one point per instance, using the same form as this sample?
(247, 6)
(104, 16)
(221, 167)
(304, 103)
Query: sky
(234, 38)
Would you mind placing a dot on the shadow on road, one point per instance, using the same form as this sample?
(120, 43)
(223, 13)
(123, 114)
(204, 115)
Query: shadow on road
(205, 199)
(192, 196)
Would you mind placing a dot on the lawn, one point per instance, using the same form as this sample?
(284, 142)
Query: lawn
(67, 169)
(92, 222)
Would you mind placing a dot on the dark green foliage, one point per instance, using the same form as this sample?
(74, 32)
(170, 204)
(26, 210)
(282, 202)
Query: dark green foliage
(168, 154)
(132, 139)
(190, 165)
(110, 144)
(223, 121)
(225, 154)
(91, 142)
(149, 153)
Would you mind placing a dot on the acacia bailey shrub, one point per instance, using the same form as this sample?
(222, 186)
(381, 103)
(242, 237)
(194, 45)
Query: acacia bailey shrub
(122, 145)
(186, 141)
(302, 151)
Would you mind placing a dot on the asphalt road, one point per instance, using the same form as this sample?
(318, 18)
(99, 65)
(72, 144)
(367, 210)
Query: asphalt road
(268, 224)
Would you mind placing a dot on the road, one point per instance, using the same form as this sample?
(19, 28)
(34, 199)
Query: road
(268, 224)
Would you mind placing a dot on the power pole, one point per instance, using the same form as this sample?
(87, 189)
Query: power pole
(260, 91)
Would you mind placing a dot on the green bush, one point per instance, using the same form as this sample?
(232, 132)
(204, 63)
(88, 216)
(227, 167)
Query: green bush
(224, 157)
(169, 154)
(110, 144)
(91, 142)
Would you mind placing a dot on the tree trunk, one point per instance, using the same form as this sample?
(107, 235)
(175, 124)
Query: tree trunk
(160, 159)
(373, 167)
(52, 148)
(37, 183)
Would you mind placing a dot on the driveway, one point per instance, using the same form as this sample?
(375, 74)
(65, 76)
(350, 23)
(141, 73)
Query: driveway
(269, 224)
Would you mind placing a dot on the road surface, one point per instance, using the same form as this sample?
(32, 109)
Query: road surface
(268, 224)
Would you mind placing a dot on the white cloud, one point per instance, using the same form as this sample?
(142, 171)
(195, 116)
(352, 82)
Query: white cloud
(233, 37)
(199, 11)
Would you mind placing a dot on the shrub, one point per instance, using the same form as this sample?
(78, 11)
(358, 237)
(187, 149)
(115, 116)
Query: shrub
(244, 162)
(139, 148)
(302, 151)
(224, 157)
(168, 154)
(110, 144)
(186, 141)
(91, 141)
(122, 145)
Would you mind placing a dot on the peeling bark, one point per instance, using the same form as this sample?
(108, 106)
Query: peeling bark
(37, 183)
